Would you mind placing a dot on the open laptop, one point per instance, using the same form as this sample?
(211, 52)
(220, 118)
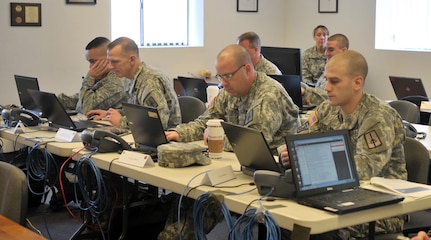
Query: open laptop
(146, 127)
(251, 149)
(292, 84)
(195, 87)
(56, 114)
(22, 84)
(324, 168)
(405, 87)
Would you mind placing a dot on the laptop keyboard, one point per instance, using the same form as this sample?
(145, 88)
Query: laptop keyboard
(357, 194)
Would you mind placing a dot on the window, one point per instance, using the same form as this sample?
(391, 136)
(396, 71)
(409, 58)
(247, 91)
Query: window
(158, 23)
(403, 25)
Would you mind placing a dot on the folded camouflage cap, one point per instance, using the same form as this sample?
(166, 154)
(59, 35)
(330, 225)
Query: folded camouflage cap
(179, 154)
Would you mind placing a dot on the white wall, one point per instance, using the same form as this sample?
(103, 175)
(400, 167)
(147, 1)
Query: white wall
(356, 20)
(55, 52)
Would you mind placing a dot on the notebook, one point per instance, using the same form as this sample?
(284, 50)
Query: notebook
(56, 114)
(407, 87)
(324, 168)
(292, 84)
(195, 87)
(146, 127)
(251, 149)
(22, 84)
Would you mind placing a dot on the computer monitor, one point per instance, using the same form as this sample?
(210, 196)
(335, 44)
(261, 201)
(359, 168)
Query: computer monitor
(288, 60)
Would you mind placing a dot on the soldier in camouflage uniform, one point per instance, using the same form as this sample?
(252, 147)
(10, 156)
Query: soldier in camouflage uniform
(314, 96)
(101, 89)
(314, 59)
(147, 86)
(376, 132)
(251, 42)
(248, 98)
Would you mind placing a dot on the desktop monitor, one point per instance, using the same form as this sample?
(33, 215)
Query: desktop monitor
(288, 60)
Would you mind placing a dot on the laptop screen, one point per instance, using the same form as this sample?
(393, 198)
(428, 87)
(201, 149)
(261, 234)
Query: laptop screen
(407, 87)
(22, 84)
(145, 125)
(322, 162)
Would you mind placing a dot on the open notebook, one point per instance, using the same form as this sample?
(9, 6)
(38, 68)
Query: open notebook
(325, 176)
(24, 83)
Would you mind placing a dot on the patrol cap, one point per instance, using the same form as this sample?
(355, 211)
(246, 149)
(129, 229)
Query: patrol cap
(179, 154)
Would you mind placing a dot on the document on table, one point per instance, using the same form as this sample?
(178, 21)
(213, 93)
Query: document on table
(425, 106)
(402, 187)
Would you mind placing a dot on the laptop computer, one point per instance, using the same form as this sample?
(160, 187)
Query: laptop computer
(22, 84)
(324, 168)
(56, 114)
(195, 87)
(292, 84)
(251, 149)
(146, 127)
(405, 87)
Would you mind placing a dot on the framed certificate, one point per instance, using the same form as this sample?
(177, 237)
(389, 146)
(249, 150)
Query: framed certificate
(26, 14)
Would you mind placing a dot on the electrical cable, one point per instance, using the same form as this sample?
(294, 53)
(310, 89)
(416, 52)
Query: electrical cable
(202, 203)
(243, 227)
(40, 164)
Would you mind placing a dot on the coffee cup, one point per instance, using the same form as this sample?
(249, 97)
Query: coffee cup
(215, 138)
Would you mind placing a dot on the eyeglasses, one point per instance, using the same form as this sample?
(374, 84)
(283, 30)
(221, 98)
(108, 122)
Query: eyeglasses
(228, 76)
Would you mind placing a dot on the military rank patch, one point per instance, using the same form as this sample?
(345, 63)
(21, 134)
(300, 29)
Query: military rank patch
(372, 139)
(312, 119)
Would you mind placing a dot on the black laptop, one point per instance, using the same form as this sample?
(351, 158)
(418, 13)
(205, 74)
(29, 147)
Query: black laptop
(251, 149)
(146, 127)
(292, 84)
(195, 87)
(22, 84)
(325, 177)
(405, 87)
(56, 114)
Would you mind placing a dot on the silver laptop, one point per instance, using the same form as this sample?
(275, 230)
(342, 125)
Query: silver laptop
(325, 177)
(251, 149)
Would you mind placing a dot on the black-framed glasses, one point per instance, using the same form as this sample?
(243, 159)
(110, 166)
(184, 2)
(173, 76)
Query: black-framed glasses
(228, 76)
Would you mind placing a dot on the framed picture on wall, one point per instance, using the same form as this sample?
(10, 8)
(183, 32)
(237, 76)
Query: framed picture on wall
(246, 5)
(26, 14)
(81, 1)
(328, 6)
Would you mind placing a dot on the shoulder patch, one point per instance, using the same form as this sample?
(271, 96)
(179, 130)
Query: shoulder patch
(372, 139)
(312, 119)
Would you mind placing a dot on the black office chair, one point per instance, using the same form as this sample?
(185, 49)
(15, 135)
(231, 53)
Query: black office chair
(417, 164)
(191, 108)
(13, 193)
(407, 110)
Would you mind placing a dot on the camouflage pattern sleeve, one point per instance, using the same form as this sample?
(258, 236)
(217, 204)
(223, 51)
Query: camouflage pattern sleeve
(68, 102)
(264, 65)
(314, 96)
(109, 92)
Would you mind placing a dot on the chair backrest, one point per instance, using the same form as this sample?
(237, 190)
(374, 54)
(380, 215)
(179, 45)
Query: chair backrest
(417, 160)
(13, 193)
(191, 108)
(407, 110)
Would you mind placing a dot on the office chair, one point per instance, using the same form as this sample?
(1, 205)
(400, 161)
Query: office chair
(13, 193)
(191, 108)
(417, 164)
(407, 110)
